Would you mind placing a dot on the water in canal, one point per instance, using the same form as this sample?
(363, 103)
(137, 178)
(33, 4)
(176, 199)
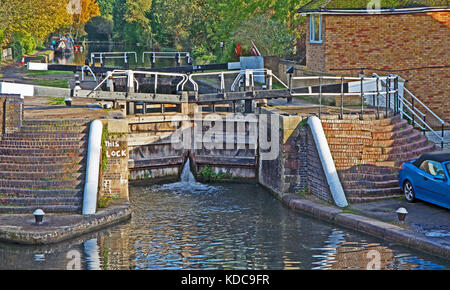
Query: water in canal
(188, 225)
(135, 61)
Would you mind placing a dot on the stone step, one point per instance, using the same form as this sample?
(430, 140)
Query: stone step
(51, 130)
(372, 121)
(393, 134)
(41, 176)
(352, 127)
(45, 208)
(373, 192)
(33, 201)
(26, 192)
(56, 167)
(354, 199)
(41, 184)
(418, 142)
(45, 136)
(70, 122)
(42, 143)
(404, 153)
(342, 139)
(346, 163)
(343, 176)
(74, 151)
(366, 184)
(371, 169)
(414, 136)
(33, 160)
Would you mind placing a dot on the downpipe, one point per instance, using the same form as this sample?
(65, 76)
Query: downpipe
(92, 168)
(327, 162)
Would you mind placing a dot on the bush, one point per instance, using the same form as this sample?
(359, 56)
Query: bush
(208, 175)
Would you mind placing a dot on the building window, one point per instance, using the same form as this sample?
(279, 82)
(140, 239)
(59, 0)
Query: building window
(315, 28)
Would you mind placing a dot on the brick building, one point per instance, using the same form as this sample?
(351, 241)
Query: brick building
(409, 38)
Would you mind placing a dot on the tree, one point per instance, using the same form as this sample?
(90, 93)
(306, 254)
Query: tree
(270, 37)
(99, 28)
(89, 9)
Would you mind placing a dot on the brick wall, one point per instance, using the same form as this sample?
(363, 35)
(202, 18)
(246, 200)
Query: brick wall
(11, 113)
(114, 178)
(315, 52)
(390, 42)
(298, 165)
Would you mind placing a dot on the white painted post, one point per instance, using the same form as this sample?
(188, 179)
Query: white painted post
(92, 167)
(327, 161)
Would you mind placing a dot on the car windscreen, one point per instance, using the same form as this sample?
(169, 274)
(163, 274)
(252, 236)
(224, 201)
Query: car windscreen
(448, 168)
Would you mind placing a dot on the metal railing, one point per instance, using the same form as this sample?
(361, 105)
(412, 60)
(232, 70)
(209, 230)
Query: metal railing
(362, 93)
(168, 54)
(415, 115)
(246, 76)
(112, 55)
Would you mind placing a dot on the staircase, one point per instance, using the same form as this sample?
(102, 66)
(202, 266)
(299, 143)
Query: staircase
(43, 166)
(368, 154)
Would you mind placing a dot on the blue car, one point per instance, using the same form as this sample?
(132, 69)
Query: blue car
(427, 178)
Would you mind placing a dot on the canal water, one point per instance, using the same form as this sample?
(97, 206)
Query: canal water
(134, 62)
(188, 225)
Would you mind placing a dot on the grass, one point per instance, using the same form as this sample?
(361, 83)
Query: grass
(58, 83)
(47, 72)
(57, 101)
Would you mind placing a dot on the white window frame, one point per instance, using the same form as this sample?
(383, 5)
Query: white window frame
(312, 28)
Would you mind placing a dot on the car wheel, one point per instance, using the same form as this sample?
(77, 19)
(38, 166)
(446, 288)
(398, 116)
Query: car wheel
(409, 191)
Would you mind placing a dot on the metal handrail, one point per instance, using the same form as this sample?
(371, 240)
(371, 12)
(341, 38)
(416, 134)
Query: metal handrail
(414, 111)
(423, 105)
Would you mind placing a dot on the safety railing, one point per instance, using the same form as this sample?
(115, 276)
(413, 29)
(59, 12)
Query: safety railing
(363, 93)
(410, 111)
(153, 55)
(102, 56)
(131, 80)
(86, 67)
(246, 76)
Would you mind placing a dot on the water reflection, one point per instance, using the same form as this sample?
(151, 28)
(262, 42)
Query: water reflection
(237, 226)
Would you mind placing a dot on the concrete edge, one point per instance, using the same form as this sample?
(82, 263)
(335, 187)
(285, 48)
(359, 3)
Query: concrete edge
(366, 225)
(99, 220)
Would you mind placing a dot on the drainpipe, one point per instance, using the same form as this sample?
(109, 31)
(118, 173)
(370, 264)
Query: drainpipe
(327, 161)
(92, 167)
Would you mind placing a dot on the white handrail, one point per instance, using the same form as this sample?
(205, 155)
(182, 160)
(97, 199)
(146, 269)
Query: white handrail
(423, 105)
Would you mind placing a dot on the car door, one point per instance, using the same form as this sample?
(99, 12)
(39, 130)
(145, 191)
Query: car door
(435, 183)
(419, 179)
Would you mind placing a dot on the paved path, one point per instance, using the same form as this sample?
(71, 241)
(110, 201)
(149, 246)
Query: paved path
(432, 137)
(425, 219)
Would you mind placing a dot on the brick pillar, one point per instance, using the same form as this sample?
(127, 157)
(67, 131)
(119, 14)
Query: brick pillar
(11, 113)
